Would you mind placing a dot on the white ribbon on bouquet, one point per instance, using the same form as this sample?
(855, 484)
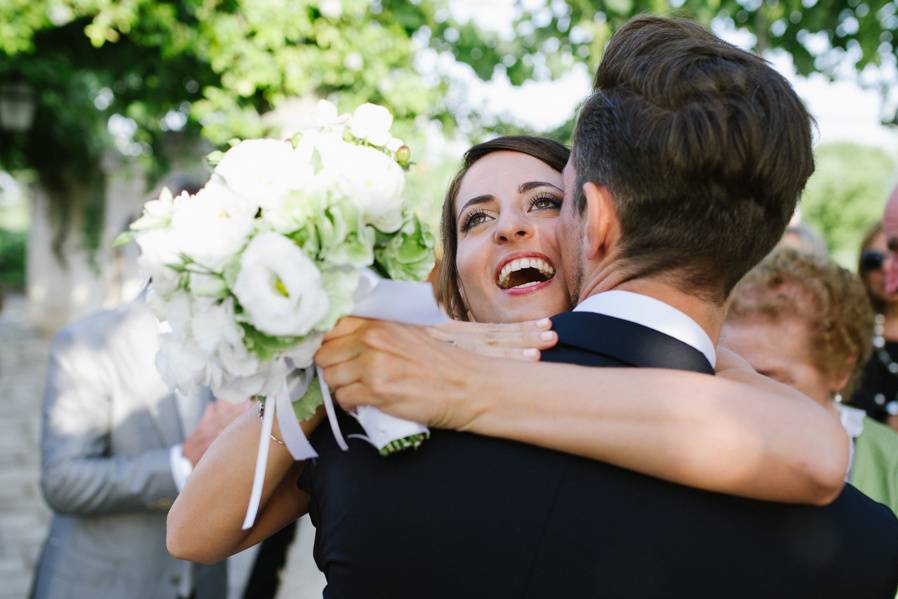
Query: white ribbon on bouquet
(375, 297)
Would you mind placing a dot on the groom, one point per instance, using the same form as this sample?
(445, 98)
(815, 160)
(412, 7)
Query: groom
(688, 160)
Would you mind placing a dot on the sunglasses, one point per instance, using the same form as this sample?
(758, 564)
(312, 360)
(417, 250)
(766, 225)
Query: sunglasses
(871, 260)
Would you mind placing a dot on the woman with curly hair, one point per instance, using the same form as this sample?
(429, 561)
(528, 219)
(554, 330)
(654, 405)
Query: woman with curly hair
(806, 322)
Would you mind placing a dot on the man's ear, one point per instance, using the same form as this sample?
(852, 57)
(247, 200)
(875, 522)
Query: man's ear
(599, 220)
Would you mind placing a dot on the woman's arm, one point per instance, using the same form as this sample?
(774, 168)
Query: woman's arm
(737, 433)
(204, 524)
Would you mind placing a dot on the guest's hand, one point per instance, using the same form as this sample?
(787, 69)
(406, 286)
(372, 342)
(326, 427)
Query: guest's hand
(216, 417)
(404, 371)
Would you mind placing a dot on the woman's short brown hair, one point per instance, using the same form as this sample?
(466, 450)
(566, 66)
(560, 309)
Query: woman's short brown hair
(546, 150)
(828, 298)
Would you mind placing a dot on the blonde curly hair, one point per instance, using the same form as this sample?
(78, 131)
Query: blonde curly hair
(831, 300)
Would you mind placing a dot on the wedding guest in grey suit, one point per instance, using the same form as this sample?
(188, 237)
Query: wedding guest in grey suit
(117, 446)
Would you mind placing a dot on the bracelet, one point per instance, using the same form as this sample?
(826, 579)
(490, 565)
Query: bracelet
(262, 414)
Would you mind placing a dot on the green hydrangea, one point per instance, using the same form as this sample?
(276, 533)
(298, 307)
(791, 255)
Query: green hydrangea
(408, 254)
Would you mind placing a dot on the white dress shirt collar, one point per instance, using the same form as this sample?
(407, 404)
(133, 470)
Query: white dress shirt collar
(653, 314)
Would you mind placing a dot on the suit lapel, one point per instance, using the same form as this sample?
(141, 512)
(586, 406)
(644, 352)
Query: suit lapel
(627, 342)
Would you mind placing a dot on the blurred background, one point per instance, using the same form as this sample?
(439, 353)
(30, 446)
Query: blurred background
(104, 101)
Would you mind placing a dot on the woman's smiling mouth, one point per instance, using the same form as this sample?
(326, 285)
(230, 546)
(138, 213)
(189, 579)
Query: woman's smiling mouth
(522, 273)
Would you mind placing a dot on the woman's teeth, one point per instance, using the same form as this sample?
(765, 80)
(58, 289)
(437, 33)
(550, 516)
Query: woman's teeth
(540, 270)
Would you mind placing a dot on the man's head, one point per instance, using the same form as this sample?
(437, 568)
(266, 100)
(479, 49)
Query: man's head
(689, 156)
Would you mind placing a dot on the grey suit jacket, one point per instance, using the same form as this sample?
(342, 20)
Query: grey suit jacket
(108, 425)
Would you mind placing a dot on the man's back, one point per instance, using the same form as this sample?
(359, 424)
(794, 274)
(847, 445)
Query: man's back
(479, 517)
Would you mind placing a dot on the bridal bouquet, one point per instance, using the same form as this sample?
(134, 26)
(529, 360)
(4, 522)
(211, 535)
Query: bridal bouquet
(284, 239)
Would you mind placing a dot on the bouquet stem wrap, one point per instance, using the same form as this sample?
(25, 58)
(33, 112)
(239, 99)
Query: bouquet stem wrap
(376, 298)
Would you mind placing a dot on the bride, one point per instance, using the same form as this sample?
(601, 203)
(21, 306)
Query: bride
(732, 433)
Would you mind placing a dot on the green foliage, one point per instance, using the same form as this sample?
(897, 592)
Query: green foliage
(846, 195)
(184, 68)
(820, 35)
(12, 259)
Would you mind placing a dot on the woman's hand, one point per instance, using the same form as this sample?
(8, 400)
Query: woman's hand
(519, 340)
(405, 370)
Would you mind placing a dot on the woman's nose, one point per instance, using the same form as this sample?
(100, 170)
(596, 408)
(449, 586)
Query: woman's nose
(512, 228)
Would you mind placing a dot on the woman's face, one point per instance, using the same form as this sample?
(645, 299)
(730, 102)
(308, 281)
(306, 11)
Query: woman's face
(508, 256)
(876, 276)
(780, 350)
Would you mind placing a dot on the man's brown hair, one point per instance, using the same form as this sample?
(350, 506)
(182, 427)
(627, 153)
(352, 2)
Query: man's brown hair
(704, 147)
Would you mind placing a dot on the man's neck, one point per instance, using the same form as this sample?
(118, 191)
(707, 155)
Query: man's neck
(708, 315)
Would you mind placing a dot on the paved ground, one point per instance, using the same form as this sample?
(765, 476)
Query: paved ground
(23, 514)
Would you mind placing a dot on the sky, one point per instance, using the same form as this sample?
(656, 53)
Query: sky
(844, 110)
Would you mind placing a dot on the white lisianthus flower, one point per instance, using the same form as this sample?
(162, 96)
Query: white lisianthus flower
(236, 360)
(164, 281)
(180, 362)
(238, 389)
(372, 123)
(372, 179)
(266, 379)
(261, 170)
(176, 310)
(213, 226)
(158, 250)
(279, 287)
(207, 285)
(328, 117)
(394, 144)
(332, 9)
(157, 213)
(213, 324)
(303, 355)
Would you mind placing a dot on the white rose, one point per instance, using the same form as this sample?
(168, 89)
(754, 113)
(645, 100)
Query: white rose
(279, 287)
(373, 180)
(261, 170)
(372, 123)
(213, 324)
(213, 226)
(180, 362)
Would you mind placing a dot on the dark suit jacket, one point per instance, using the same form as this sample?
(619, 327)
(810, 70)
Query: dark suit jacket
(471, 516)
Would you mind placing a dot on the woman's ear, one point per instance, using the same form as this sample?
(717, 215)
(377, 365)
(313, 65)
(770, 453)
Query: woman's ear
(600, 220)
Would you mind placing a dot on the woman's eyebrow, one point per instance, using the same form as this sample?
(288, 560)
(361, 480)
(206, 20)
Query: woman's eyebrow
(524, 187)
(477, 200)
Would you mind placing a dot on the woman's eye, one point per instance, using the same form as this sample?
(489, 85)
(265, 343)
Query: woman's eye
(474, 219)
(545, 203)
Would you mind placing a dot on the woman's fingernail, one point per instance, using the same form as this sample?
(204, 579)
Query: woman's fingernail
(547, 335)
(543, 322)
(531, 353)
